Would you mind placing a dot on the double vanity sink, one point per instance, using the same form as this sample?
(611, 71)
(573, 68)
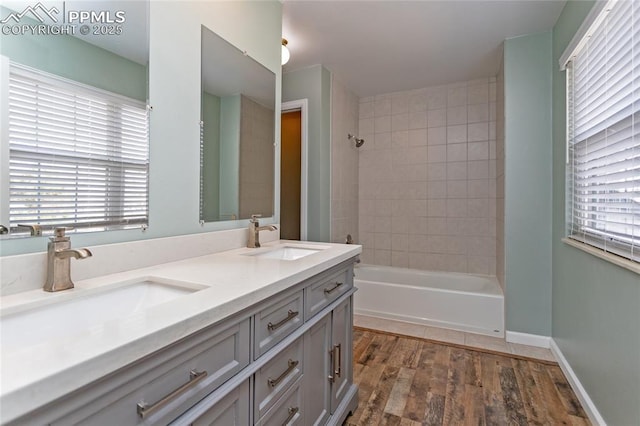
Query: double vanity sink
(79, 309)
(56, 343)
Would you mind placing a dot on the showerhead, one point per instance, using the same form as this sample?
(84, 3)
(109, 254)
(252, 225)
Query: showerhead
(359, 141)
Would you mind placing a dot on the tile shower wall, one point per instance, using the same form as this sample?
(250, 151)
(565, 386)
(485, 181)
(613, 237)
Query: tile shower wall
(428, 178)
(344, 163)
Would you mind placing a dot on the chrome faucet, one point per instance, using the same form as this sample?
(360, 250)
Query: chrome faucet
(254, 231)
(59, 261)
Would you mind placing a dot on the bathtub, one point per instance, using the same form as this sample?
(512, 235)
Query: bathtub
(471, 303)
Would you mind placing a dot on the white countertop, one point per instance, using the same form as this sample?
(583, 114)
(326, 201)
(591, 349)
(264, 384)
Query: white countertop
(37, 374)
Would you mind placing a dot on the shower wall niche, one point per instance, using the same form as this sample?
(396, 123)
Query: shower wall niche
(427, 178)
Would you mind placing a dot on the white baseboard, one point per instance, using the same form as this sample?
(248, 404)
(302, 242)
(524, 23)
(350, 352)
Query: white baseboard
(574, 382)
(528, 339)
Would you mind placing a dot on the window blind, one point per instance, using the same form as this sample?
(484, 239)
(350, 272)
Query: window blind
(604, 134)
(78, 156)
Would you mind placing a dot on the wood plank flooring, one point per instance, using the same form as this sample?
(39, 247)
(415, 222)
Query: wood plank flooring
(408, 381)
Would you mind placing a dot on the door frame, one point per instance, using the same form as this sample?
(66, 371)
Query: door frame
(301, 105)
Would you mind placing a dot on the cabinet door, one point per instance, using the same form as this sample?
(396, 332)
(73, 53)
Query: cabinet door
(317, 343)
(341, 350)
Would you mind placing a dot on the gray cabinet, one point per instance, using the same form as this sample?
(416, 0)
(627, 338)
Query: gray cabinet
(285, 360)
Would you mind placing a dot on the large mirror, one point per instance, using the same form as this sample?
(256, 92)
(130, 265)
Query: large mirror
(73, 114)
(237, 134)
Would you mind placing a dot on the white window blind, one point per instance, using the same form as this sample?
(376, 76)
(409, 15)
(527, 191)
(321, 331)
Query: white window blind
(78, 156)
(604, 134)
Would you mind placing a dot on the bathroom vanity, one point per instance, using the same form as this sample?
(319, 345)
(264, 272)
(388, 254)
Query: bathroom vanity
(249, 337)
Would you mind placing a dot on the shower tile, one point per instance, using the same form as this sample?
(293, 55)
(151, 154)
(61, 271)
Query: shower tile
(382, 241)
(399, 259)
(418, 101)
(400, 103)
(478, 188)
(417, 155)
(382, 124)
(418, 137)
(437, 97)
(417, 260)
(437, 118)
(400, 122)
(478, 150)
(457, 134)
(418, 120)
(382, 106)
(457, 152)
(365, 110)
(382, 140)
(382, 257)
(478, 93)
(456, 208)
(366, 125)
(443, 335)
(457, 189)
(457, 96)
(437, 136)
(437, 171)
(478, 113)
(437, 154)
(456, 170)
(478, 265)
(437, 208)
(437, 189)
(399, 225)
(478, 169)
(400, 242)
(457, 115)
(400, 139)
(478, 132)
(437, 226)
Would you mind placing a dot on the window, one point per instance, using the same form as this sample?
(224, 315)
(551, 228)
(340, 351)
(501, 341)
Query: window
(603, 132)
(78, 156)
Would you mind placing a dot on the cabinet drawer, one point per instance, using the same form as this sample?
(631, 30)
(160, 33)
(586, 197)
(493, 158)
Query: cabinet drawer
(276, 321)
(164, 385)
(230, 410)
(288, 410)
(326, 290)
(273, 380)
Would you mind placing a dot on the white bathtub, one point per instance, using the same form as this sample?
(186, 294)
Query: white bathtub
(471, 303)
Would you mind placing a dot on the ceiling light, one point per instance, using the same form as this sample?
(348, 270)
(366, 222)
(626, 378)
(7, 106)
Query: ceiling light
(285, 52)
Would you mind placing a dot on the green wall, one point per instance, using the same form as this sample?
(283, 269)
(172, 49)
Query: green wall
(527, 80)
(77, 60)
(211, 157)
(314, 84)
(596, 304)
(174, 92)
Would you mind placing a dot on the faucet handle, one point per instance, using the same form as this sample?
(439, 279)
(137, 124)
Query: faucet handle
(35, 230)
(59, 234)
(254, 218)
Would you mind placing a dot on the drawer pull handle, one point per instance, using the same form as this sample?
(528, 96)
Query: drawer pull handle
(145, 410)
(292, 413)
(332, 289)
(336, 358)
(338, 349)
(274, 382)
(290, 315)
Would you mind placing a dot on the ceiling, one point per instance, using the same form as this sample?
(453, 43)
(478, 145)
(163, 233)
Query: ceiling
(378, 47)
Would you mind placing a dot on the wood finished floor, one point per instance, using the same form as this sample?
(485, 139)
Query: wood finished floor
(410, 382)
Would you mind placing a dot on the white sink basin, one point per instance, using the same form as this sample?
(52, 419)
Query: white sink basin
(85, 310)
(288, 253)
